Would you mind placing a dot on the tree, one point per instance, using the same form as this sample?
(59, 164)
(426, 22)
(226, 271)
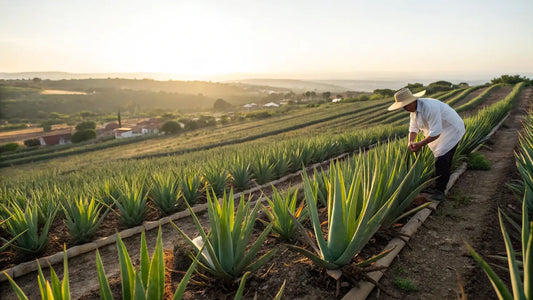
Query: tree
(415, 87)
(83, 135)
(326, 95)
(221, 105)
(170, 127)
(119, 120)
(9, 147)
(509, 79)
(439, 86)
(32, 143)
(86, 113)
(384, 92)
(47, 127)
(86, 125)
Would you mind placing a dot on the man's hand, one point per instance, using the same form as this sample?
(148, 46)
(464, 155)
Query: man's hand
(415, 147)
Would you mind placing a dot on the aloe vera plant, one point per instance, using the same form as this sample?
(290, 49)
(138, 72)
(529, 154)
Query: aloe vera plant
(524, 159)
(263, 169)
(522, 286)
(225, 254)
(24, 225)
(191, 188)
(279, 212)
(146, 283)
(132, 202)
(165, 192)
(215, 179)
(240, 174)
(353, 217)
(50, 290)
(82, 218)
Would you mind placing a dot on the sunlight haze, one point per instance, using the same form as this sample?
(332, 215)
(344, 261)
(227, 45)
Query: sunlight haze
(309, 38)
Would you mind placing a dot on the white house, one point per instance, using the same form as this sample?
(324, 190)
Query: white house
(271, 104)
(336, 100)
(125, 132)
(250, 105)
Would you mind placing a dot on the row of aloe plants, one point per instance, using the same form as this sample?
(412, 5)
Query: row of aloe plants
(520, 261)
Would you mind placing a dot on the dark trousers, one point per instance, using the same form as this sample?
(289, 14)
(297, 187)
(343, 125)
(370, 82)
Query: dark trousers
(443, 167)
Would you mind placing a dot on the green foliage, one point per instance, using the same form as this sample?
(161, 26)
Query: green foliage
(355, 212)
(439, 86)
(23, 223)
(148, 282)
(131, 202)
(82, 218)
(225, 253)
(32, 143)
(9, 147)
(47, 127)
(415, 87)
(478, 161)
(83, 135)
(191, 188)
(263, 114)
(240, 174)
(86, 125)
(165, 192)
(170, 127)
(279, 212)
(384, 92)
(405, 284)
(54, 290)
(13, 126)
(222, 105)
(363, 97)
(86, 113)
(510, 79)
(262, 169)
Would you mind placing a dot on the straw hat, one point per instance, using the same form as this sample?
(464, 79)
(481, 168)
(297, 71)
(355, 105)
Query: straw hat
(404, 97)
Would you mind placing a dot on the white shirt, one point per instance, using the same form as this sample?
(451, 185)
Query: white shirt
(434, 117)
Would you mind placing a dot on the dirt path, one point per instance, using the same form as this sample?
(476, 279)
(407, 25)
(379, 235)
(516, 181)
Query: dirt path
(438, 255)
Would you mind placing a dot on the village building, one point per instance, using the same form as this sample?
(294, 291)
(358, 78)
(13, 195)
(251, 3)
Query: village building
(56, 139)
(126, 132)
(271, 104)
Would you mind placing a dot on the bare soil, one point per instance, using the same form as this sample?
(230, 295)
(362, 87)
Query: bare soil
(437, 263)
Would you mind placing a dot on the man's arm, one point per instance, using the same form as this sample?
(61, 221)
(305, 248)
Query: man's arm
(417, 146)
(412, 137)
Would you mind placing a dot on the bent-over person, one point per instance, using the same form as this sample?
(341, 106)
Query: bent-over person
(442, 127)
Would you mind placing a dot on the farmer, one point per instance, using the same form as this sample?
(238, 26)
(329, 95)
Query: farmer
(442, 128)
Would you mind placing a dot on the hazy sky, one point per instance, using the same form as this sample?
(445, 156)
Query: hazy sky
(204, 37)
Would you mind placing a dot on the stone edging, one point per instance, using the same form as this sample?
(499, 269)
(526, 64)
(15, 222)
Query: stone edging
(364, 288)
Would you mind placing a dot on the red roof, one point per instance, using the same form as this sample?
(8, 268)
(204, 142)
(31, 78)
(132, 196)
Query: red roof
(111, 126)
(55, 139)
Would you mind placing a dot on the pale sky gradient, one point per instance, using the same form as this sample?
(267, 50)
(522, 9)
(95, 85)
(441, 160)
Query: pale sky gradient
(205, 37)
